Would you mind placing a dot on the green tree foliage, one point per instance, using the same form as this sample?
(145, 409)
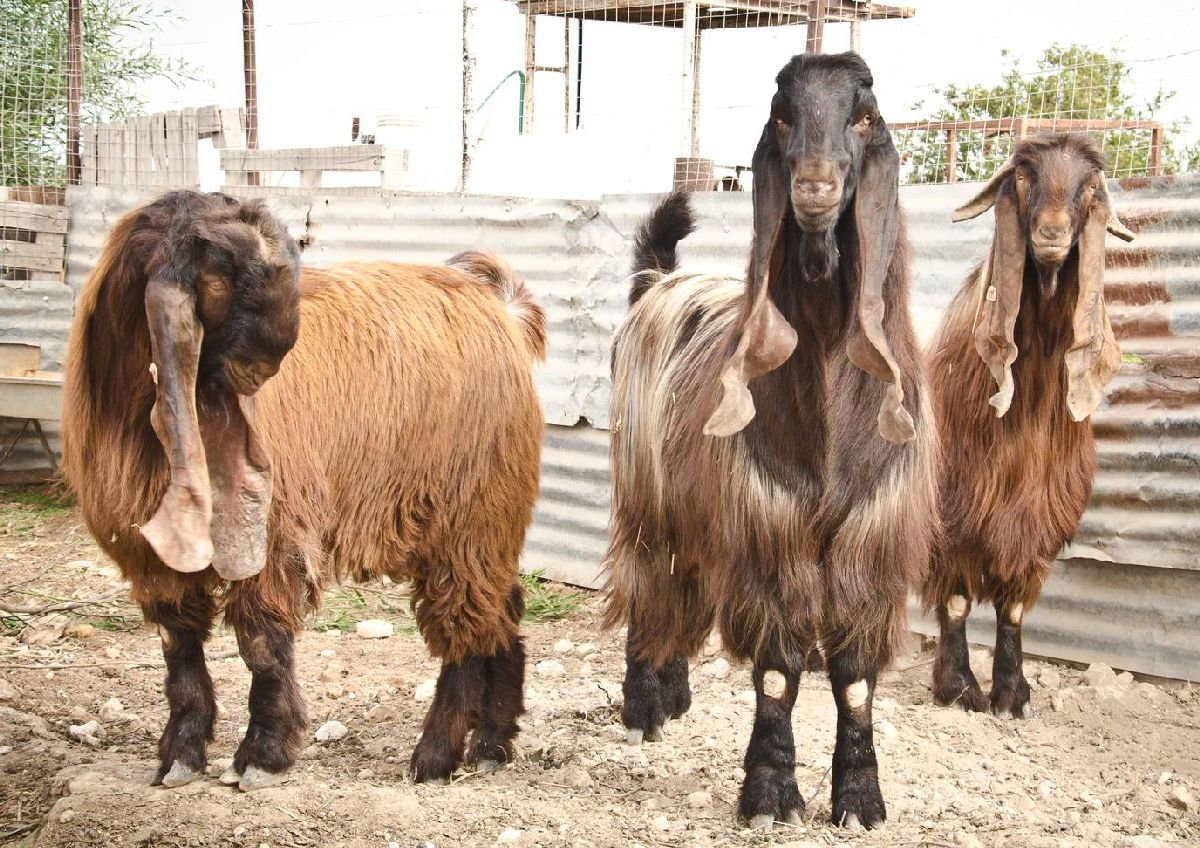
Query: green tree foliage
(33, 78)
(1070, 82)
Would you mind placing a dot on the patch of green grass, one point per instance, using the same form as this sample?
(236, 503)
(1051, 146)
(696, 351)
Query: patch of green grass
(344, 607)
(546, 600)
(40, 500)
(1132, 358)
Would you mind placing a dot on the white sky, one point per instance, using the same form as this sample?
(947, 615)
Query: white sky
(320, 63)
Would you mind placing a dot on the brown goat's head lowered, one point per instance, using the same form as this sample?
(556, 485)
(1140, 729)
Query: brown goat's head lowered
(223, 309)
(824, 149)
(1052, 206)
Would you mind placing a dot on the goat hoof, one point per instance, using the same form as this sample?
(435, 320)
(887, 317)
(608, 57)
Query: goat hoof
(254, 778)
(487, 766)
(180, 775)
(1026, 712)
(852, 822)
(763, 822)
(230, 777)
(792, 819)
(633, 736)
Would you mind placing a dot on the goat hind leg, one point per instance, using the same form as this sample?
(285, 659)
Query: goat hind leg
(953, 681)
(182, 748)
(455, 710)
(857, 800)
(1010, 690)
(769, 792)
(503, 698)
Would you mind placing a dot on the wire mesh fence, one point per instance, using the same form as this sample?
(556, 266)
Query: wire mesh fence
(553, 97)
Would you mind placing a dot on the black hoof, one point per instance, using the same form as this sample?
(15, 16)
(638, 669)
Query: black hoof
(1010, 698)
(770, 792)
(857, 801)
(959, 690)
(432, 762)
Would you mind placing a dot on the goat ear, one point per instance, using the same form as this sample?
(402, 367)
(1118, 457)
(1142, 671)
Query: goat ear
(1000, 281)
(1094, 355)
(1113, 224)
(767, 339)
(215, 507)
(986, 198)
(877, 227)
(179, 530)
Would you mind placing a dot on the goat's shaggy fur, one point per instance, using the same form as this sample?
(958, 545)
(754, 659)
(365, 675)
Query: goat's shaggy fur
(1018, 472)
(404, 432)
(805, 529)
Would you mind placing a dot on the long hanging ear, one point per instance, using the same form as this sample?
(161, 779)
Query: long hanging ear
(767, 339)
(1000, 299)
(179, 529)
(215, 508)
(877, 226)
(985, 199)
(1094, 355)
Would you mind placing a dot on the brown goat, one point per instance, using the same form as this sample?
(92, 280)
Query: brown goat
(400, 436)
(1018, 468)
(773, 452)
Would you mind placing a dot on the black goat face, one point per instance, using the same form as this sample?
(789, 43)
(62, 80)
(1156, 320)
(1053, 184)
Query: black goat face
(823, 115)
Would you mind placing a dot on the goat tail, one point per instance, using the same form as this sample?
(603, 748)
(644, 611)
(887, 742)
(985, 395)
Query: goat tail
(491, 269)
(654, 245)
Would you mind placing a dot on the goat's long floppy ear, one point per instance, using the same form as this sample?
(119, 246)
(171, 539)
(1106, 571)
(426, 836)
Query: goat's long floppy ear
(985, 199)
(1094, 355)
(767, 339)
(215, 508)
(1000, 282)
(877, 225)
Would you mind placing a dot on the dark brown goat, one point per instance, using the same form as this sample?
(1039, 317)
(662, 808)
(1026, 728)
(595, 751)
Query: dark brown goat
(773, 452)
(400, 436)
(1018, 468)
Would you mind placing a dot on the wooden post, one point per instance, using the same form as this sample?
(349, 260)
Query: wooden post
(817, 10)
(855, 35)
(530, 64)
(250, 73)
(74, 87)
(566, 73)
(687, 91)
(696, 95)
(951, 155)
(468, 75)
(1156, 139)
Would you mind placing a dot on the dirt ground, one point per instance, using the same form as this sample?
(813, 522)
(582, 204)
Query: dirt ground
(1104, 761)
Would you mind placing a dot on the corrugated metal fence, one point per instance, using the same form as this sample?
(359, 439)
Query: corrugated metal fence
(1128, 589)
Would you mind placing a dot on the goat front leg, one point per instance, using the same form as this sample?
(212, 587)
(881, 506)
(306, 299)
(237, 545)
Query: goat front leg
(456, 708)
(953, 681)
(769, 792)
(182, 753)
(1010, 689)
(503, 699)
(857, 800)
(277, 715)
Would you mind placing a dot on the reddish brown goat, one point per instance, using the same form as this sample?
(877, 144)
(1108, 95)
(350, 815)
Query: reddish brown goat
(773, 449)
(1018, 469)
(400, 436)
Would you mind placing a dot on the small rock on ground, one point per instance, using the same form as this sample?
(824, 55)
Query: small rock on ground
(550, 668)
(374, 628)
(564, 646)
(718, 668)
(1181, 799)
(331, 731)
(425, 690)
(7, 692)
(509, 834)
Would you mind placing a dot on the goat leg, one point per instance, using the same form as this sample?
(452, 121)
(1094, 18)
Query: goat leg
(277, 715)
(455, 710)
(183, 629)
(503, 697)
(953, 681)
(857, 800)
(769, 792)
(1010, 689)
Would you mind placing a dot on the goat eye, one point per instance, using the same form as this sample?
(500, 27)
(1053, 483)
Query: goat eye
(782, 125)
(864, 123)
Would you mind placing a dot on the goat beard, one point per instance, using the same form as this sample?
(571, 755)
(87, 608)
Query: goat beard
(818, 256)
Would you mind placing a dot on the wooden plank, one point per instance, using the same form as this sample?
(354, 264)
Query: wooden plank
(233, 129)
(34, 257)
(17, 360)
(87, 175)
(191, 164)
(129, 156)
(817, 12)
(158, 149)
(32, 216)
(530, 67)
(208, 120)
(174, 124)
(352, 157)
